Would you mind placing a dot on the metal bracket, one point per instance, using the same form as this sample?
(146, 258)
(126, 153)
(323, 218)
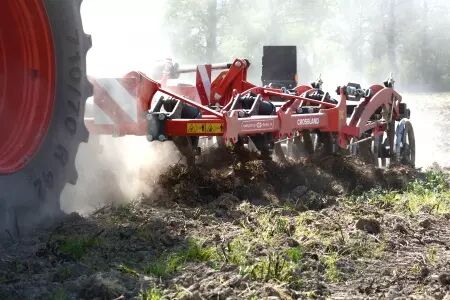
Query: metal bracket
(156, 120)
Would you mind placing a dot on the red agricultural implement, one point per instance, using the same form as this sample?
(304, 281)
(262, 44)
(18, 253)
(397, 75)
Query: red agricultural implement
(43, 89)
(237, 111)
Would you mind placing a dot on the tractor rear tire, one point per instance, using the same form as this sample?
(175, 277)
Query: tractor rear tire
(30, 196)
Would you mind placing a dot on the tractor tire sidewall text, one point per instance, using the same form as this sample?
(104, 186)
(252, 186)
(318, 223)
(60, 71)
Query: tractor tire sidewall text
(31, 196)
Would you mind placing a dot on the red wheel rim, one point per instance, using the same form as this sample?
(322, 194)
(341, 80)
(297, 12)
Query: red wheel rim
(27, 81)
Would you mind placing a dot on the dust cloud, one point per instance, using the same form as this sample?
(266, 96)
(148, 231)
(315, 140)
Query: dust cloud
(430, 115)
(126, 36)
(116, 170)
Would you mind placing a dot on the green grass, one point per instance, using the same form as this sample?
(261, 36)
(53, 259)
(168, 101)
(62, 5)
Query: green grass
(272, 266)
(330, 242)
(431, 194)
(331, 270)
(170, 263)
(294, 254)
(432, 255)
(236, 251)
(415, 269)
(59, 294)
(277, 265)
(76, 247)
(283, 263)
(267, 230)
(434, 182)
(269, 223)
(151, 294)
(127, 270)
(242, 251)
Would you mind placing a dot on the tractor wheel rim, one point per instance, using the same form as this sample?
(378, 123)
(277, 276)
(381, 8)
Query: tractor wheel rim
(27, 81)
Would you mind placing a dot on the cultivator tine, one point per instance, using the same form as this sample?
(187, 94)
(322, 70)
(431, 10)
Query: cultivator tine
(279, 153)
(187, 147)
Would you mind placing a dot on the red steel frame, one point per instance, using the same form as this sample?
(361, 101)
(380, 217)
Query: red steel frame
(215, 107)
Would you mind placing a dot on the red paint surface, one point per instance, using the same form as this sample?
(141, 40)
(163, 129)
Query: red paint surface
(27, 81)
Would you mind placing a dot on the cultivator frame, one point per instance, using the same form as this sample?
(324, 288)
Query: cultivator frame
(234, 109)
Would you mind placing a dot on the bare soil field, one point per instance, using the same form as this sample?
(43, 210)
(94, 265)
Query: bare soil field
(247, 228)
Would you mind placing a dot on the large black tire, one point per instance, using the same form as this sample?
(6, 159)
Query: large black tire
(31, 196)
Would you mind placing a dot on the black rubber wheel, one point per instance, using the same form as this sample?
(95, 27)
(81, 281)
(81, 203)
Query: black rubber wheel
(405, 144)
(31, 195)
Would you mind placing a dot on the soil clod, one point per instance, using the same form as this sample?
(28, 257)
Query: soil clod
(426, 223)
(444, 279)
(371, 226)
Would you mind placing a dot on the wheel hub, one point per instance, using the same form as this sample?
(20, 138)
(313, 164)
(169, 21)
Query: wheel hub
(27, 81)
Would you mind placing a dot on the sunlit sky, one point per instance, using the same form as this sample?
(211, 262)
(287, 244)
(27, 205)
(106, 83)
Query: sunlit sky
(126, 35)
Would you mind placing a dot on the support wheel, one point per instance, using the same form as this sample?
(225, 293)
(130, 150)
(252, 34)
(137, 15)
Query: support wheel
(405, 146)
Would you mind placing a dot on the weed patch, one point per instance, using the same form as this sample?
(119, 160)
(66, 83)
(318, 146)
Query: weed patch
(151, 294)
(59, 294)
(170, 263)
(76, 247)
(430, 194)
(331, 270)
(273, 266)
(127, 270)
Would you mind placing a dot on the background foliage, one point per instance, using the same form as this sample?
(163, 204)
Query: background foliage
(361, 39)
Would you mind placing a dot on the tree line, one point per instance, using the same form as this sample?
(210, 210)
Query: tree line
(362, 39)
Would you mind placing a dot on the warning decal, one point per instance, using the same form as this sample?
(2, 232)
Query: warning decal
(205, 128)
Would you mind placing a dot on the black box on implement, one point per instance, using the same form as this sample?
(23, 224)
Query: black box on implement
(279, 66)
